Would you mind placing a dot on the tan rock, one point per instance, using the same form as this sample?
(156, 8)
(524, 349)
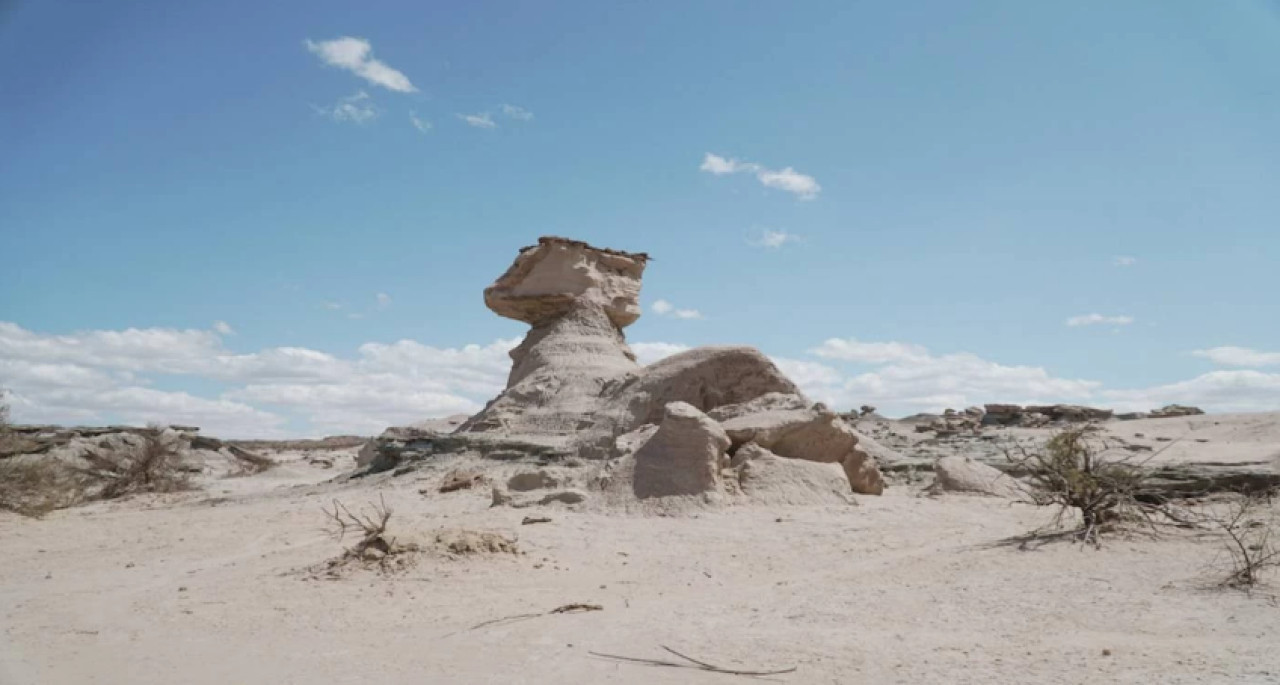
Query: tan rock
(548, 279)
(813, 434)
(966, 475)
(683, 457)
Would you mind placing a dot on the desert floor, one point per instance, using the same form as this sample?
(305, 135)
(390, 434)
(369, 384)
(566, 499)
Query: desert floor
(226, 585)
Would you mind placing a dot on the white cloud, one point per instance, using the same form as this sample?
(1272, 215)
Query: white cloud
(1124, 261)
(773, 239)
(1218, 391)
(356, 56)
(663, 308)
(1094, 319)
(801, 185)
(481, 120)
(514, 112)
(854, 350)
(331, 305)
(421, 124)
(106, 377)
(1239, 356)
(113, 376)
(357, 109)
(910, 379)
(715, 164)
(223, 328)
(384, 300)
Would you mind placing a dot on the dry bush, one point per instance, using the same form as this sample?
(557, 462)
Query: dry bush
(36, 487)
(1247, 526)
(371, 526)
(153, 466)
(1078, 473)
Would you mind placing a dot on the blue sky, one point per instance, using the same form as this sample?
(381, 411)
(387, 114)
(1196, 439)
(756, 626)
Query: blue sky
(914, 199)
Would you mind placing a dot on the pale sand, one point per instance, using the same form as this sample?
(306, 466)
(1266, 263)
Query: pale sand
(207, 587)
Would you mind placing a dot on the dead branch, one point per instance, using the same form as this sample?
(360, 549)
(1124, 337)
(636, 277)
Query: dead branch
(372, 526)
(692, 663)
(565, 609)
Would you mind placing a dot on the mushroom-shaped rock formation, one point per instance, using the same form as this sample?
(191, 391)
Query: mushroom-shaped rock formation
(575, 386)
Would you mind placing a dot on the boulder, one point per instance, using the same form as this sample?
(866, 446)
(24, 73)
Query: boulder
(766, 478)
(965, 475)
(682, 457)
(813, 434)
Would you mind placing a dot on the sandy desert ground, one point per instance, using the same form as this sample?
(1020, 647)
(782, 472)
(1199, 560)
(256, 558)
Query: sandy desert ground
(227, 584)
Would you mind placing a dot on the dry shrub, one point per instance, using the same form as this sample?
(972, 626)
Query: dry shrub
(1247, 526)
(36, 487)
(153, 466)
(374, 549)
(1078, 473)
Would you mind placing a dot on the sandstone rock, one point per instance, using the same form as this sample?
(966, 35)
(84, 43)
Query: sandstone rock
(532, 480)
(766, 478)
(1174, 410)
(576, 391)
(813, 434)
(683, 457)
(549, 278)
(965, 475)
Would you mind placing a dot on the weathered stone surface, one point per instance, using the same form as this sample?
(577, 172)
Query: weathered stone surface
(813, 434)
(683, 457)
(1174, 410)
(965, 475)
(532, 480)
(548, 279)
(576, 389)
(766, 478)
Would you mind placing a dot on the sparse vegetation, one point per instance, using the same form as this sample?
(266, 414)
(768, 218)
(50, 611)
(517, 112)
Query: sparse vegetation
(1247, 526)
(36, 485)
(153, 466)
(1077, 473)
(371, 526)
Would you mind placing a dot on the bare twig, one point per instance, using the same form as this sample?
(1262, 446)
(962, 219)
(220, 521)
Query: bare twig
(565, 609)
(692, 663)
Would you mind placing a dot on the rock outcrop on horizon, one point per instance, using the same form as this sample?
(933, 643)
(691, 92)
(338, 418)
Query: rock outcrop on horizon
(575, 388)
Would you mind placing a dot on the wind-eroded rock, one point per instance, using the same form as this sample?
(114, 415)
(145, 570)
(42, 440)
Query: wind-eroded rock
(575, 388)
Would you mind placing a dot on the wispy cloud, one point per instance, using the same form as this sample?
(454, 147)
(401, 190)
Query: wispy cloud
(514, 112)
(223, 328)
(384, 300)
(665, 308)
(1239, 356)
(421, 124)
(801, 185)
(1095, 319)
(331, 305)
(357, 109)
(356, 56)
(773, 239)
(1124, 261)
(480, 120)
